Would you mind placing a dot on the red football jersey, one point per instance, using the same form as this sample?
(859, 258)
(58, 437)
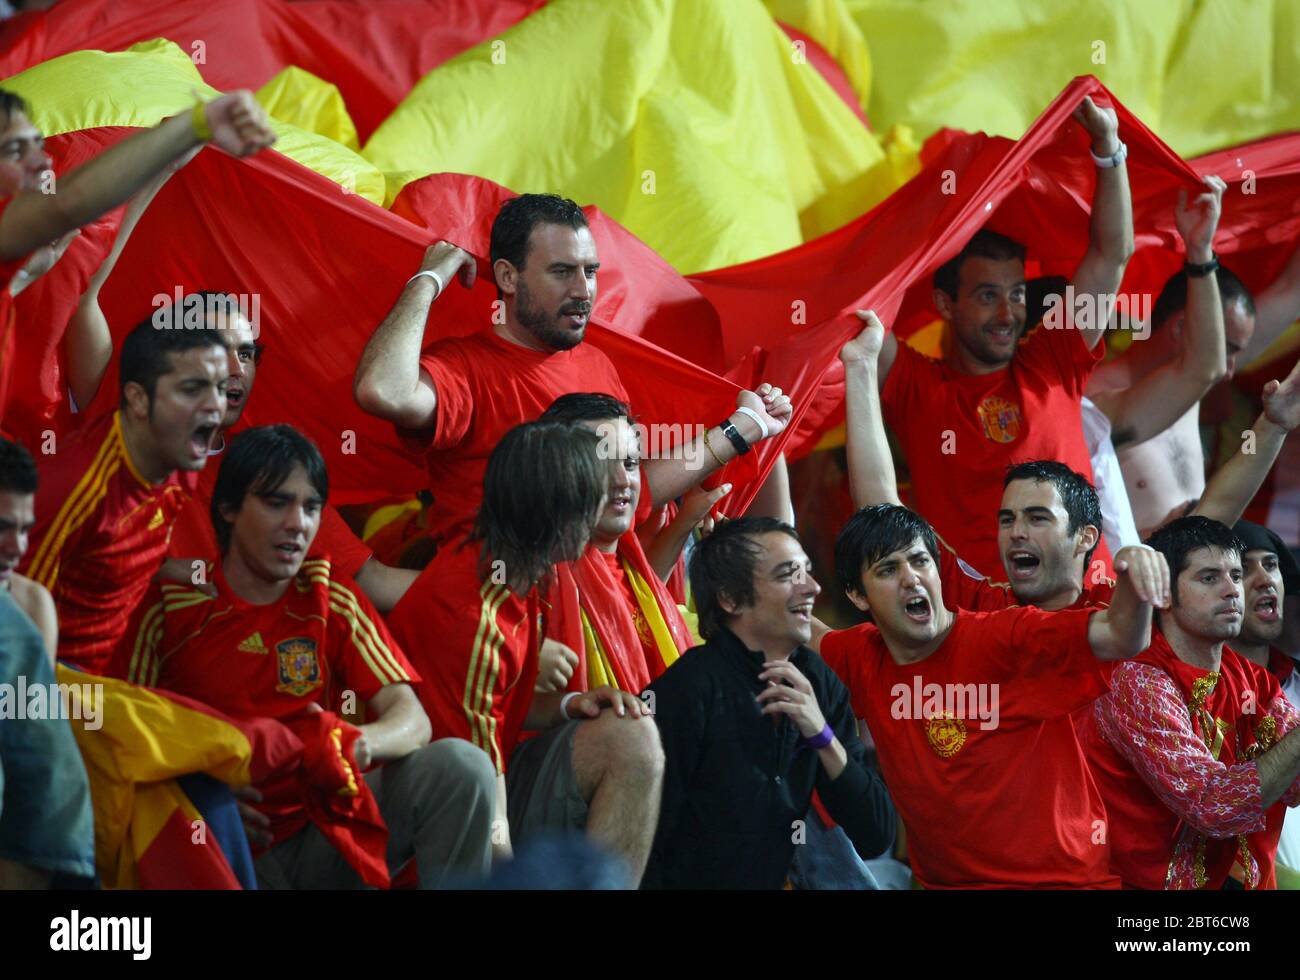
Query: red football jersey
(965, 588)
(486, 386)
(194, 537)
(959, 432)
(475, 643)
(979, 751)
(321, 641)
(101, 533)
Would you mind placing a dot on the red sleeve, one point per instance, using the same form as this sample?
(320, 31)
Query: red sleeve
(1146, 720)
(455, 402)
(364, 652)
(1064, 354)
(965, 588)
(8, 269)
(347, 552)
(905, 374)
(844, 652)
(134, 658)
(1031, 644)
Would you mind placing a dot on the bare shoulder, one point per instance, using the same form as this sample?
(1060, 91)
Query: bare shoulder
(35, 600)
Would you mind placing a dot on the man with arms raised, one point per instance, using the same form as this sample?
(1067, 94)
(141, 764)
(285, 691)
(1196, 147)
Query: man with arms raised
(458, 398)
(111, 493)
(970, 711)
(753, 721)
(35, 211)
(992, 399)
(286, 636)
(473, 625)
(1049, 519)
(1194, 747)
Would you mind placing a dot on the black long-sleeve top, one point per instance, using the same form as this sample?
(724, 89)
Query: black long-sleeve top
(735, 783)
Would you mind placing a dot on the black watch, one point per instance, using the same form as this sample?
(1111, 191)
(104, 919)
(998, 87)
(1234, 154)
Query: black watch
(733, 436)
(1202, 270)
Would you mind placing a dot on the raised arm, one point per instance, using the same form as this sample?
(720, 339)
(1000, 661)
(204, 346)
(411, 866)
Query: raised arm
(389, 383)
(234, 122)
(670, 478)
(1123, 629)
(88, 344)
(871, 465)
(1276, 308)
(1110, 232)
(1236, 482)
(1145, 409)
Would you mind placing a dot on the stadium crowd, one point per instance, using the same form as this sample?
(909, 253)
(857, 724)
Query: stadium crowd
(530, 662)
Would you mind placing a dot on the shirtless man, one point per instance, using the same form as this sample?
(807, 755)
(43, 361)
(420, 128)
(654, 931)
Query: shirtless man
(1165, 474)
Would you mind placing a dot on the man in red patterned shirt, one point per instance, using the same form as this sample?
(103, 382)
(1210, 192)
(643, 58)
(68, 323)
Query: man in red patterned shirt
(109, 495)
(1194, 748)
(288, 636)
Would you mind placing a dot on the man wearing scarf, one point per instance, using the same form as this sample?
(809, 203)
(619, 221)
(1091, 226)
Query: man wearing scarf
(1193, 747)
(631, 629)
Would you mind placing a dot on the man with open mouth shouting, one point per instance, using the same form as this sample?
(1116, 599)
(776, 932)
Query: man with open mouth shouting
(110, 493)
(971, 711)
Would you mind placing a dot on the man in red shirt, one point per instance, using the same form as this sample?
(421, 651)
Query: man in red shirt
(192, 537)
(631, 628)
(109, 496)
(286, 636)
(1049, 520)
(455, 400)
(992, 400)
(970, 712)
(472, 625)
(1195, 749)
(35, 211)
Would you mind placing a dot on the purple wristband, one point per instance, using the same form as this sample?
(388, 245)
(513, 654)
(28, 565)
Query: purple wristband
(819, 741)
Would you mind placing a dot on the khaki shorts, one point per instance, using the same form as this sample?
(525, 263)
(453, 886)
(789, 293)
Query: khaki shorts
(542, 795)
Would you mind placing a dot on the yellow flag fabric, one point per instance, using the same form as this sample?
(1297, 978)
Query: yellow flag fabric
(312, 104)
(145, 741)
(156, 79)
(1202, 73)
(830, 23)
(688, 121)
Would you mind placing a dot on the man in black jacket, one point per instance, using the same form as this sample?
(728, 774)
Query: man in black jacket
(753, 721)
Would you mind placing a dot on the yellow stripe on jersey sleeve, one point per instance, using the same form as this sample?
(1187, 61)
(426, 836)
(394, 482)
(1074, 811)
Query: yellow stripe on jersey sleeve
(146, 644)
(383, 664)
(81, 503)
(482, 662)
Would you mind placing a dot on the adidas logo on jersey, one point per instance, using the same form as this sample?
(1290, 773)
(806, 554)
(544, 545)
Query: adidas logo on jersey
(253, 644)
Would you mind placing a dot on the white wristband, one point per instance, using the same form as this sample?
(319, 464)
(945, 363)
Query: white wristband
(432, 275)
(564, 704)
(1114, 160)
(762, 426)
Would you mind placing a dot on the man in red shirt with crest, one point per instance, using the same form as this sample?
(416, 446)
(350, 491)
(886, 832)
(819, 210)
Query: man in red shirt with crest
(971, 711)
(287, 636)
(993, 400)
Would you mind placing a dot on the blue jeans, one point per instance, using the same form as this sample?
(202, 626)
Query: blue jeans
(45, 815)
(827, 860)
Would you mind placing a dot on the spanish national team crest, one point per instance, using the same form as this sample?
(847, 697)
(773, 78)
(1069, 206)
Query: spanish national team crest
(946, 735)
(1000, 418)
(299, 668)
